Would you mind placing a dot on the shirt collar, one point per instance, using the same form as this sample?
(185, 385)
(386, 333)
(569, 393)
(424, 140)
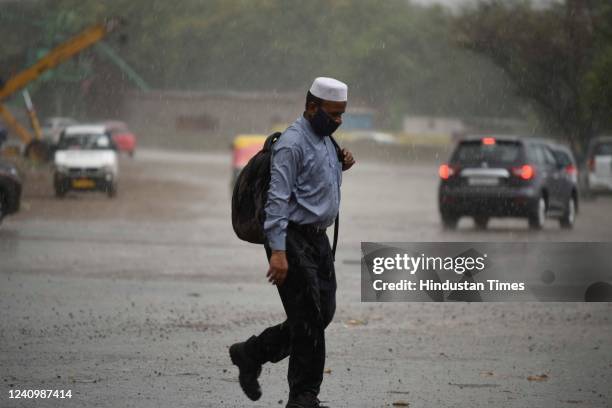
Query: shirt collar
(305, 124)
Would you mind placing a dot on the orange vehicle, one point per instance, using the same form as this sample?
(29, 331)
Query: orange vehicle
(243, 148)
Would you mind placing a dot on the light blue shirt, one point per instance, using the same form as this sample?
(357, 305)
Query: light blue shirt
(305, 179)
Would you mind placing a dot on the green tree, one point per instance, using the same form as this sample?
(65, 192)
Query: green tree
(559, 59)
(397, 57)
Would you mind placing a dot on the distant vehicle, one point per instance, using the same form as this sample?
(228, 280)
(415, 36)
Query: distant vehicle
(599, 165)
(85, 159)
(10, 189)
(53, 127)
(244, 147)
(122, 136)
(368, 136)
(507, 177)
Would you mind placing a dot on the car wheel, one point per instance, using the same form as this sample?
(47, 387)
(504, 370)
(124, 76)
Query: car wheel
(60, 190)
(111, 191)
(481, 222)
(538, 215)
(586, 192)
(569, 216)
(449, 221)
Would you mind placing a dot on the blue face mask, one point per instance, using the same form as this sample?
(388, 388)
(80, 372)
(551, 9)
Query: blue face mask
(323, 124)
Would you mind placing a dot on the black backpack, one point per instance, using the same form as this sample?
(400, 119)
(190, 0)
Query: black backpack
(251, 193)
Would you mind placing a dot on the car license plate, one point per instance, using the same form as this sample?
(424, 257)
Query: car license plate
(83, 183)
(483, 181)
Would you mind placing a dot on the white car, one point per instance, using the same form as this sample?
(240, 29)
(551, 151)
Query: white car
(85, 160)
(599, 162)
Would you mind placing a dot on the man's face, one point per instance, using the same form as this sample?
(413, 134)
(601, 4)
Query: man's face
(334, 109)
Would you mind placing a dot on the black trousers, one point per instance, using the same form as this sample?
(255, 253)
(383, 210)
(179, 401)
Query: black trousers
(309, 299)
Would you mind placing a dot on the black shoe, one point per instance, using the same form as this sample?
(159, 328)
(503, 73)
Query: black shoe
(305, 400)
(249, 371)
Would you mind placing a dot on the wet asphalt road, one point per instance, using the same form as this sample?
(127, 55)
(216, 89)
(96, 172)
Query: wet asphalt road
(134, 301)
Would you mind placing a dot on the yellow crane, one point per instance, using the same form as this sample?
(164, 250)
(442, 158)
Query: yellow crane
(36, 149)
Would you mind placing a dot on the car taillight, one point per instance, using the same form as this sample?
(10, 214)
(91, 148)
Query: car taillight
(446, 171)
(489, 141)
(591, 164)
(571, 170)
(525, 172)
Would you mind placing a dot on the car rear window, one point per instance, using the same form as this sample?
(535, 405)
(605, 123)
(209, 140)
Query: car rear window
(603, 149)
(500, 153)
(562, 157)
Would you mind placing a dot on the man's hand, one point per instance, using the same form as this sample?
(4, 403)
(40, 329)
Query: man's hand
(347, 160)
(278, 268)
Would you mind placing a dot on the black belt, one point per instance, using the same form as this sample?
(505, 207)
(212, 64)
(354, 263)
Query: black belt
(308, 228)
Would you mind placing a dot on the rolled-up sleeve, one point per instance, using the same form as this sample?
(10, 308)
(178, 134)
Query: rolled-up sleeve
(283, 172)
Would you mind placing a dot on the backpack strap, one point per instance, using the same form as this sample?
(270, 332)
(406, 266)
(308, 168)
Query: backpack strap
(337, 221)
(270, 140)
(336, 228)
(338, 149)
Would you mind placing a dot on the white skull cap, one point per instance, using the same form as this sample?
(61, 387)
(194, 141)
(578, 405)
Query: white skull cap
(329, 89)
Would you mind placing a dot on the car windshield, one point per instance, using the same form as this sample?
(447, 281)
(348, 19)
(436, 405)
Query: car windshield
(498, 153)
(603, 149)
(84, 141)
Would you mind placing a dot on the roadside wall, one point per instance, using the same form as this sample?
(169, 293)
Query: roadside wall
(205, 120)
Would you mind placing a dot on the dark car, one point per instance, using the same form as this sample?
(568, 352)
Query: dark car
(10, 189)
(507, 177)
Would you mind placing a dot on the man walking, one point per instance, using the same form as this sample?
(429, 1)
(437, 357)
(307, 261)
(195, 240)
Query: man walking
(303, 200)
